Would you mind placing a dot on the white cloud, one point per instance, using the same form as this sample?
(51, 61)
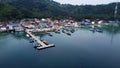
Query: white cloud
(79, 2)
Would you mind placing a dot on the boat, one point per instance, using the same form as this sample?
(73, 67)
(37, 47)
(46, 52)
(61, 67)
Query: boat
(67, 29)
(50, 34)
(72, 31)
(63, 31)
(35, 45)
(58, 32)
(99, 30)
(68, 34)
(31, 40)
(27, 35)
(91, 29)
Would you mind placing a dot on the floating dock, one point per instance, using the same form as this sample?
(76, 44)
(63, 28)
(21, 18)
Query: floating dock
(43, 45)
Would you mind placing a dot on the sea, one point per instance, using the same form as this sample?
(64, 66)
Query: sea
(79, 48)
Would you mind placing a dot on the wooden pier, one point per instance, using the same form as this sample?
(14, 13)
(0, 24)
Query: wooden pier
(43, 45)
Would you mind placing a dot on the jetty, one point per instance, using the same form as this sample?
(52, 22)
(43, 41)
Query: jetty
(43, 45)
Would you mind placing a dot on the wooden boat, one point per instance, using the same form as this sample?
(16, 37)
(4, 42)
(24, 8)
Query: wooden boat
(68, 34)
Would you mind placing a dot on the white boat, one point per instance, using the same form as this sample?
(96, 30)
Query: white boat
(27, 35)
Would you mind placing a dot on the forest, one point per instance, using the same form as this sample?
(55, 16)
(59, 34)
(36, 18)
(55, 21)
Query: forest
(19, 9)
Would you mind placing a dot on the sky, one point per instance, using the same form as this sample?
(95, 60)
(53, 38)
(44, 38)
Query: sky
(84, 2)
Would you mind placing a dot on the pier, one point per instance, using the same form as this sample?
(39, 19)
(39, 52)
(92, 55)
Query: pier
(43, 45)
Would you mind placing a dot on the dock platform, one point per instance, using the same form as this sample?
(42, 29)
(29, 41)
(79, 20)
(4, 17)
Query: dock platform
(43, 45)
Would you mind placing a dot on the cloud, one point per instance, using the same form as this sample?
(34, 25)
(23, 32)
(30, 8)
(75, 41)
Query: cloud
(79, 2)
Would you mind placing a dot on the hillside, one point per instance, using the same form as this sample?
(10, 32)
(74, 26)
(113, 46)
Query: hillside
(18, 9)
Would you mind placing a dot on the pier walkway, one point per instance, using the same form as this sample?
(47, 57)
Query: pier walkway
(43, 45)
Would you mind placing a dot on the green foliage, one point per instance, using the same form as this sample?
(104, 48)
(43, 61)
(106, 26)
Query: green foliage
(6, 12)
(18, 9)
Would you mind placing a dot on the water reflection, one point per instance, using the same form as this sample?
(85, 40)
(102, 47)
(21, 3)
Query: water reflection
(109, 30)
(16, 35)
(3, 34)
(93, 29)
(112, 30)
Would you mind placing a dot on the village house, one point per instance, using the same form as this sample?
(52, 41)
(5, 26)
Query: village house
(3, 26)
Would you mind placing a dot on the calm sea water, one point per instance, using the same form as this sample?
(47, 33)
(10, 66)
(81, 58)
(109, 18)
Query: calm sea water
(83, 49)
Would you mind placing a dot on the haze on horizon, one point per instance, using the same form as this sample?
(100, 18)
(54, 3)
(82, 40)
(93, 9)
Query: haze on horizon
(84, 2)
